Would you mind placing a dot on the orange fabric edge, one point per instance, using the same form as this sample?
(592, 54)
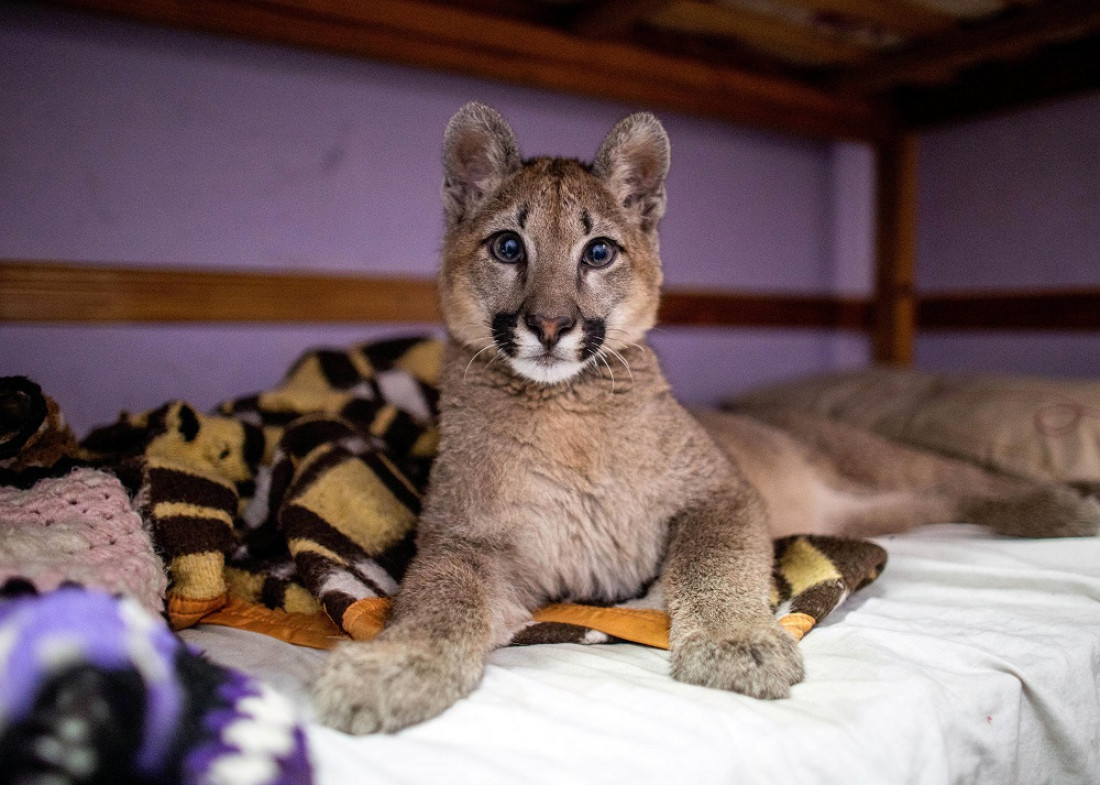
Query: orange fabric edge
(797, 624)
(186, 612)
(315, 630)
(637, 625)
(365, 618)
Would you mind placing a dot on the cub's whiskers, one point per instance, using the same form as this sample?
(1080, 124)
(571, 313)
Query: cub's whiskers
(477, 354)
(601, 356)
(496, 357)
(632, 344)
(621, 359)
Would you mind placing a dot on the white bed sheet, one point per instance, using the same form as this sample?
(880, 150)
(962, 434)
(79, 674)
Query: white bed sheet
(973, 659)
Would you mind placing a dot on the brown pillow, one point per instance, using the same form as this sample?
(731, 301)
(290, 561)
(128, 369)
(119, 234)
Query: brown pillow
(1045, 429)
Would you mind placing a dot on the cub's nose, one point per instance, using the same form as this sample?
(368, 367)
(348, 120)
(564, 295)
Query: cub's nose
(549, 328)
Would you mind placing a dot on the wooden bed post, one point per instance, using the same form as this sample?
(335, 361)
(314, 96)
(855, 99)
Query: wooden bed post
(895, 310)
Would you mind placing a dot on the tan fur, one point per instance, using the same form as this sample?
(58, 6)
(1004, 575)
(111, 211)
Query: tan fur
(566, 469)
(824, 477)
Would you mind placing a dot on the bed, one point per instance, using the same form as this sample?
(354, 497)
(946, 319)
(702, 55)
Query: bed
(947, 654)
(971, 658)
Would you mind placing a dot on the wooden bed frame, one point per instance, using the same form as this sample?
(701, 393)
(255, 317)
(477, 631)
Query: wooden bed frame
(1044, 49)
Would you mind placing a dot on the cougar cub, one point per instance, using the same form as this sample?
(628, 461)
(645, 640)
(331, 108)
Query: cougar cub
(566, 470)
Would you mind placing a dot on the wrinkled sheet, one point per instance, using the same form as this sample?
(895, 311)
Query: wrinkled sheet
(973, 659)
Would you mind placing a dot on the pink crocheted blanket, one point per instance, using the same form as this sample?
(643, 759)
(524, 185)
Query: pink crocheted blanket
(79, 528)
(61, 525)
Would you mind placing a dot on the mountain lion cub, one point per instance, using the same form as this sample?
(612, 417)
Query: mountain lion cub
(567, 471)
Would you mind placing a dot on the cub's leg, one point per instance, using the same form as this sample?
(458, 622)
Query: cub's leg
(883, 486)
(717, 578)
(454, 607)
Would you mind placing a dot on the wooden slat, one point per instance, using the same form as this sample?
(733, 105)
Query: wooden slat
(455, 39)
(707, 308)
(898, 16)
(895, 250)
(1007, 37)
(36, 292)
(787, 40)
(46, 292)
(78, 293)
(1065, 310)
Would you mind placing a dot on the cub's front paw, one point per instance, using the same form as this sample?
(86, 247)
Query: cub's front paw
(386, 686)
(761, 661)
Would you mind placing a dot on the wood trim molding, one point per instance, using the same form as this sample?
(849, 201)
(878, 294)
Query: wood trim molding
(697, 308)
(82, 294)
(50, 292)
(1061, 310)
(456, 39)
(56, 292)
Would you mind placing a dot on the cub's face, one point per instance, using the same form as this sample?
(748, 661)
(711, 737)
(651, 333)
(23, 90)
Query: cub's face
(550, 264)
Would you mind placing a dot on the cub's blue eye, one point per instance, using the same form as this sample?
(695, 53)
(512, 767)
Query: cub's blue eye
(599, 253)
(507, 247)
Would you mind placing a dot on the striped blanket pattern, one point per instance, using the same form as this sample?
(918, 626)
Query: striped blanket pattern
(293, 511)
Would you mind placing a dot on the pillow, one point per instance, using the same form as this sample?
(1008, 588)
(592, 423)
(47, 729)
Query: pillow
(1043, 429)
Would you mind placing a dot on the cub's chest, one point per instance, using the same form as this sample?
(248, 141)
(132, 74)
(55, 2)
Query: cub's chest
(587, 508)
(587, 452)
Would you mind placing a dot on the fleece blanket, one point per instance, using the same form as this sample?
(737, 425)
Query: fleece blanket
(293, 511)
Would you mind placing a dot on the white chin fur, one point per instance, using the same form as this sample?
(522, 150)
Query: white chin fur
(544, 373)
(531, 361)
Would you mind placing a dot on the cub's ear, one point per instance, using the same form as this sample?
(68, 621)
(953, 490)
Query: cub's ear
(479, 151)
(633, 162)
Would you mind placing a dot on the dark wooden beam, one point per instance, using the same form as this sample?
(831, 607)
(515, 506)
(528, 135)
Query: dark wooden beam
(896, 167)
(615, 18)
(726, 52)
(1011, 35)
(904, 17)
(786, 39)
(79, 293)
(1064, 310)
(462, 40)
(726, 309)
(1057, 71)
(40, 292)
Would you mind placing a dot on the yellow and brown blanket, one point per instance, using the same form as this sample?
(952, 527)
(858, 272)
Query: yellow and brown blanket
(293, 512)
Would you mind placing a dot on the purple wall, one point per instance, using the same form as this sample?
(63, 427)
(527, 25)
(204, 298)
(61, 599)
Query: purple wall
(123, 143)
(1012, 202)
